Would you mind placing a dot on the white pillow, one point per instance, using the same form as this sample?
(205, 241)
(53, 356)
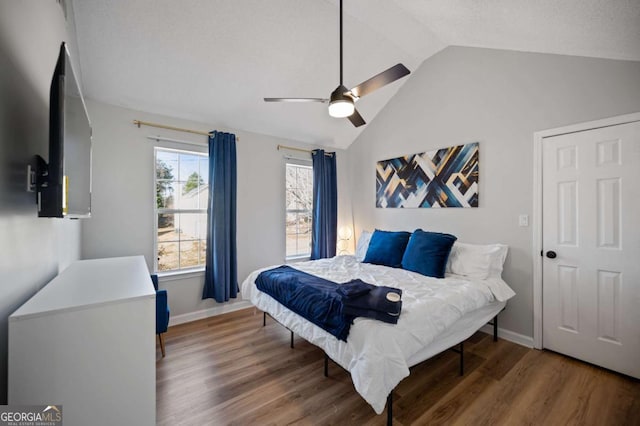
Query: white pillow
(477, 261)
(363, 245)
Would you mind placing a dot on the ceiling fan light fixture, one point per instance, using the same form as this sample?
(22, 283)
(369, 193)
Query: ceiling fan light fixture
(341, 108)
(341, 104)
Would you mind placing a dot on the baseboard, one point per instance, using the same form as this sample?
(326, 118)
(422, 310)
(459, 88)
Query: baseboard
(206, 313)
(509, 335)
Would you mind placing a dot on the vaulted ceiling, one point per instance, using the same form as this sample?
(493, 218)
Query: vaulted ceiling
(213, 61)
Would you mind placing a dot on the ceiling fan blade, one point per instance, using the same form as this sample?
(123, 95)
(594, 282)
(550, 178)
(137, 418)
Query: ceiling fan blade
(296, 100)
(385, 77)
(356, 119)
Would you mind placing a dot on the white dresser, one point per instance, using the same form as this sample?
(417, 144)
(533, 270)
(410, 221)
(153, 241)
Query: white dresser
(87, 341)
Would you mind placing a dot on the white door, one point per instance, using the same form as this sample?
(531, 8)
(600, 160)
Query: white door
(591, 222)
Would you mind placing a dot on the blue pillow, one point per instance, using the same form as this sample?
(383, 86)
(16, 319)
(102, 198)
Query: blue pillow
(386, 248)
(427, 253)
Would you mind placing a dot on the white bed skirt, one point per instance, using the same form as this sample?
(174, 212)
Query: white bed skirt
(460, 331)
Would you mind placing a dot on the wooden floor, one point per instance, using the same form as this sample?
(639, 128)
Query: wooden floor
(229, 369)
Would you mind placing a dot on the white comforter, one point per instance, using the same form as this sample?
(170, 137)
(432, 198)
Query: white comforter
(378, 364)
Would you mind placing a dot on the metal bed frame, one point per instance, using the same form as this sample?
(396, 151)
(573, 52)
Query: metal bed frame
(459, 349)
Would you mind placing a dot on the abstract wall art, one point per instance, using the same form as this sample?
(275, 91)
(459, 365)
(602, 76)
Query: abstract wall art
(446, 177)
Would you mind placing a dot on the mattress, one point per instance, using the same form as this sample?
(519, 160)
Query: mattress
(436, 314)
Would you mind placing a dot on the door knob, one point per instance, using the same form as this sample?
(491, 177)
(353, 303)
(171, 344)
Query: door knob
(551, 254)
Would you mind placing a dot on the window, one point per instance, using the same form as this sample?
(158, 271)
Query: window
(299, 205)
(182, 193)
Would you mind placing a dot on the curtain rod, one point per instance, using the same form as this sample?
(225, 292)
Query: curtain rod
(164, 126)
(162, 138)
(330, 154)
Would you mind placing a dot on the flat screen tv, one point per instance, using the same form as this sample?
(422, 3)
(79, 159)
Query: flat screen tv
(64, 184)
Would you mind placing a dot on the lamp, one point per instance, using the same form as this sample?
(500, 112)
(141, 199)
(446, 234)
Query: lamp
(344, 235)
(341, 104)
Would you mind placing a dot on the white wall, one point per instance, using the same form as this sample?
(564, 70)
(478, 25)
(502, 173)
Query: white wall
(32, 250)
(498, 98)
(124, 196)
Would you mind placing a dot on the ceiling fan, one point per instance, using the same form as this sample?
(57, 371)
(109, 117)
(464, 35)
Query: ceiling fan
(342, 100)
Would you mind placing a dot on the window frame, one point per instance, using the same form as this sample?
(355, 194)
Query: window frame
(196, 270)
(301, 163)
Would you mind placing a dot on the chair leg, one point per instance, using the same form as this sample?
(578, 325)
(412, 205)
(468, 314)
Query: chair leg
(161, 344)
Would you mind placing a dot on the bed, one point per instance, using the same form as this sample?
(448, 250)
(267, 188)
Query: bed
(437, 314)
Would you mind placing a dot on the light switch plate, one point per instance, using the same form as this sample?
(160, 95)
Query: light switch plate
(523, 220)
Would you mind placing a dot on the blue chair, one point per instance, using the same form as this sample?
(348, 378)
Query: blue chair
(162, 312)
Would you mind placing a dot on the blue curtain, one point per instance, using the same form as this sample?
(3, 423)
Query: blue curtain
(221, 273)
(325, 205)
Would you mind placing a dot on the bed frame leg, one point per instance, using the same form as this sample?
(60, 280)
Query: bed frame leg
(390, 409)
(291, 339)
(462, 358)
(264, 319)
(495, 328)
(326, 365)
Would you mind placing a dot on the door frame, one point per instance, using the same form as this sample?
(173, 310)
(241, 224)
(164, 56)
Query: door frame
(537, 226)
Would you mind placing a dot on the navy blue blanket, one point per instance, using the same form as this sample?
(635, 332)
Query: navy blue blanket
(361, 299)
(314, 298)
(376, 300)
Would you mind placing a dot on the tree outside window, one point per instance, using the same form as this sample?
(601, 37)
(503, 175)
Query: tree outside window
(181, 209)
(299, 206)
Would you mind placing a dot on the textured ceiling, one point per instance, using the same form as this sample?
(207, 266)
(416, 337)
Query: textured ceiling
(214, 60)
